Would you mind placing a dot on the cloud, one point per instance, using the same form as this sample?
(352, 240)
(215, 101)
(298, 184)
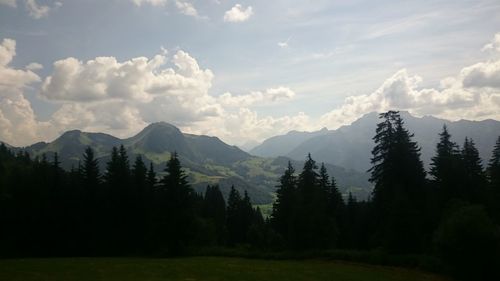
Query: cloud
(11, 3)
(269, 95)
(494, 45)
(111, 94)
(479, 75)
(474, 94)
(238, 14)
(284, 44)
(36, 10)
(150, 2)
(244, 124)
(186, 8)
(18, 124)
(34, 66)
(139, 79)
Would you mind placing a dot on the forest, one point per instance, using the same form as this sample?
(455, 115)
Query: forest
(450, 213)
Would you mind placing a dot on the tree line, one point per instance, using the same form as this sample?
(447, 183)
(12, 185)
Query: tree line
(127, 210)
(452, 212)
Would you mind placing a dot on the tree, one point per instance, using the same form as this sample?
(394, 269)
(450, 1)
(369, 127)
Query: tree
(234, 223)
(179, 210)
(493, 171)
(467, 241)
(285, 204)
(313, 228)
(214, 209)
(151, 177)
(446, 165)
(474, 178)
(90, 172)
(399, 178)
(139, 176)
(494, 167)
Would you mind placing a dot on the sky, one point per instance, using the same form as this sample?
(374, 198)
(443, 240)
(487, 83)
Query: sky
(241, 70)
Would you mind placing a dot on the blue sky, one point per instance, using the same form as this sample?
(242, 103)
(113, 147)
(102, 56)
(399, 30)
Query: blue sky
(241, 70)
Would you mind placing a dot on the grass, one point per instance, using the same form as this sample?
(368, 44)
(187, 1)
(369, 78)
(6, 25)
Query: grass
(199, 268)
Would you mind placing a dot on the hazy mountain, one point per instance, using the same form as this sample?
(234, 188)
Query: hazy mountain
(283, 144)
(207, 160)
(249, 145)
(350, 146)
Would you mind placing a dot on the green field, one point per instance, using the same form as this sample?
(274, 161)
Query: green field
(198, 268)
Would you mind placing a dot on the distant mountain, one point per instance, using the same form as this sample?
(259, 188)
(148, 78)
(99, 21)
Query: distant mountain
(249, 145)
(282, 145)
(350, 146)
(207, 160)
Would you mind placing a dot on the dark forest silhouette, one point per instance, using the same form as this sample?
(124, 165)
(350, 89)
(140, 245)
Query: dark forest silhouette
(453, 213)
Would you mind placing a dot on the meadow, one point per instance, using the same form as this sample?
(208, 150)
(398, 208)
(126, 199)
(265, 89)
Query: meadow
(200, 268)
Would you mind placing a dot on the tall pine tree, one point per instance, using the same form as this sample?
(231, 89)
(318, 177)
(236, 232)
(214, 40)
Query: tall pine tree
(399, 178)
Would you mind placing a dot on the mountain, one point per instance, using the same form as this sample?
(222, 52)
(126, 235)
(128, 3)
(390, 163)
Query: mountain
(350, 146)
(206, 159)
(249, 145)
(281, 145)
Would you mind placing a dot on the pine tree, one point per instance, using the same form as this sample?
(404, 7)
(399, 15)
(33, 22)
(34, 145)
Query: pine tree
(179, 207)
(399, 178)
(90, 172)
(214, 209)
(139, 176)
(285, 204)
(473, 173)
(446, 166)
(494, 167)
(313, 227)
(494, 182)
(151, 177)
(233, 219)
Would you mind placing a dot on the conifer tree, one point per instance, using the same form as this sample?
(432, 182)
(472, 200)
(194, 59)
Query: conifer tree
(474, 178)
(139, 175)
(494, 182)
(313, 227)
(233, 220)
(446, 166)
(179, 211)
(214, 209)
(151, 177)
(285, 204)
(90, 171)
(399, 179)
(494, 167)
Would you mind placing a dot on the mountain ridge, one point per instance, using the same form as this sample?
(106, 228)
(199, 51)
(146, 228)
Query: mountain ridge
(350, 146)
(206, 159)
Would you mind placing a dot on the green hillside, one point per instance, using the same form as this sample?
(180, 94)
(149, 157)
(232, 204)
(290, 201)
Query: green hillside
(207, 160)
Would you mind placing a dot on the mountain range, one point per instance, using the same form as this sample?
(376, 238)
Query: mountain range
(350, 146)
(207, 160)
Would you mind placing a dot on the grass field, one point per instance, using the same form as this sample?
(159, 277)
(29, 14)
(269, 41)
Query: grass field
(199, 268)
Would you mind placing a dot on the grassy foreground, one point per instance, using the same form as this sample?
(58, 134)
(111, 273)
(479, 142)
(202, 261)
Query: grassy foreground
(199, 268)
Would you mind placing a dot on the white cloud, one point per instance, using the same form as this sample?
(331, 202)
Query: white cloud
(238, 14)
(11, 3)
(36, 10)
(139, 79)
(150, 2)
(34, 66)
(18, 123)
(401, 91)
(494, 44)
(269, 95)
(244, 125)
(183, 6)
(135, 91)
(186, 8)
